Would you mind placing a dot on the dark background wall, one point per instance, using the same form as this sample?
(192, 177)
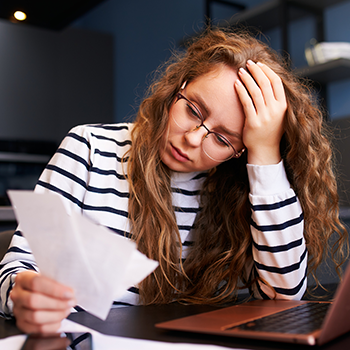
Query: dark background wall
(145, 32)
(98, 69)
(51, 81)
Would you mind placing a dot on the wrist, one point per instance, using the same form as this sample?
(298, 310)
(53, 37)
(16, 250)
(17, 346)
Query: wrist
(264, 156)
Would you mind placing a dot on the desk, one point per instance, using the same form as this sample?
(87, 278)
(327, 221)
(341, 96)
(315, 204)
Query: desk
(138, 322)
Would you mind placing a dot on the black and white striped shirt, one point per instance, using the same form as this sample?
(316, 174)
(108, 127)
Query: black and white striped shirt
(87, 171)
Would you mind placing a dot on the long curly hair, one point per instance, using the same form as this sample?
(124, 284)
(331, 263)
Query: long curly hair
(215, 267)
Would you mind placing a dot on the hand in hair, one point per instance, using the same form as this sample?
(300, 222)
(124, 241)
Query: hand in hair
(264, 104)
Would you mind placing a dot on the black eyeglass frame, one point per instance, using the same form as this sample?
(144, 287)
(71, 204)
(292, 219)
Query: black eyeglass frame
(235, 154)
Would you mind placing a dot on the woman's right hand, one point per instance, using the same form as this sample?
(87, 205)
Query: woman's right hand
(40, 303)
(265, 105)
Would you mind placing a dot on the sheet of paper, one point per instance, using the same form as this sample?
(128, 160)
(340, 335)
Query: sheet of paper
(12, 343)
(71, 249)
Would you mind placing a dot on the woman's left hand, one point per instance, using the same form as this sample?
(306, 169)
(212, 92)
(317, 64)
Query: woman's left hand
(264, 103)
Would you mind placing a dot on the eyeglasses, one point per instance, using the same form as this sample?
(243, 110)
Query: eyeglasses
(215, 146)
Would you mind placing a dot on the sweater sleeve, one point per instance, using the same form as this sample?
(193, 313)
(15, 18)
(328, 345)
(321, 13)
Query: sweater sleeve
(279, 251)
(73, 154)
(18, 258)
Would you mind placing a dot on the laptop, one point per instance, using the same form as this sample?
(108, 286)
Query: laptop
(307, 322)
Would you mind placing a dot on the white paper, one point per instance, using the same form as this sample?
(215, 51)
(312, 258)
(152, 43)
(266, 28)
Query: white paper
(13, 343)
(71, 249)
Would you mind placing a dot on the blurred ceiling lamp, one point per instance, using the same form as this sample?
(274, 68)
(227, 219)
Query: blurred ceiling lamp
(20, 16)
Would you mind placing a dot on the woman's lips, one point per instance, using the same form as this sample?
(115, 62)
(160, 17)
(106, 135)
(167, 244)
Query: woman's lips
(178, 155)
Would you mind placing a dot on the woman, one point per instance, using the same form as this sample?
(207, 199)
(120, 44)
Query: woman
(226, 159)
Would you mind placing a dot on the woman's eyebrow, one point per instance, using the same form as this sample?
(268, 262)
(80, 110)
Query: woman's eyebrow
(231, 133)
(199, 100)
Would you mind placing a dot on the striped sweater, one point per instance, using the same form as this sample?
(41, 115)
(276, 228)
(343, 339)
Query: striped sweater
(87, 171)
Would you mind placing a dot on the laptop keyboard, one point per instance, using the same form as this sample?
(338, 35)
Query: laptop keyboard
(302, 319)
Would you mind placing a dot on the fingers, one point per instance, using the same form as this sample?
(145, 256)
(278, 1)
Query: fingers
(34, 282)
(30, 321)
(245, 98)
(275, 81)
(39, 303)
(262, 84)
(262, 95)
(34, 300)
(253, 95)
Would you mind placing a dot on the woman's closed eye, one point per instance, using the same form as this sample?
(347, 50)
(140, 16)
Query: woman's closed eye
(221, 141)
(193, 112)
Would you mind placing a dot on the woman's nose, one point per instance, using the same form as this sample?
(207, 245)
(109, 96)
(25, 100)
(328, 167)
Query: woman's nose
(195, 137)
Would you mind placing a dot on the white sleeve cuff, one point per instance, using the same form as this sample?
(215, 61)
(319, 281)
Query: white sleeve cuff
(267, 179)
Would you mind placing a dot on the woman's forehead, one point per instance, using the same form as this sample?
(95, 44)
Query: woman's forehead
(218, 72)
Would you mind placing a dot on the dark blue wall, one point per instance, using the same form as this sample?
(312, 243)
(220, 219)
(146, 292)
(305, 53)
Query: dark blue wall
(146, 31)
